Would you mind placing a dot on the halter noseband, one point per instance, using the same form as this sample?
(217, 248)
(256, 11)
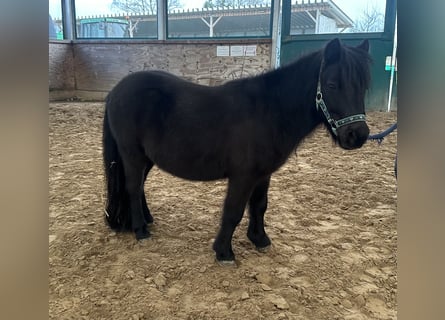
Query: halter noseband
(319, 103)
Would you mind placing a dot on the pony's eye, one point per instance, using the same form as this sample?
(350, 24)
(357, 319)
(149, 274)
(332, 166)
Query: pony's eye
(332, 85)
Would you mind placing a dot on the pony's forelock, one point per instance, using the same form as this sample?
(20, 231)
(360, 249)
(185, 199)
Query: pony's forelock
(356, 67)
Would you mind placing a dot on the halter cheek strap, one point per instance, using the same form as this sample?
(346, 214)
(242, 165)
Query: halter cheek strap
(319, 104)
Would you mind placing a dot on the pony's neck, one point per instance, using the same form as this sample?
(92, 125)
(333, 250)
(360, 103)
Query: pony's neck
(301, 77)
(296, 85)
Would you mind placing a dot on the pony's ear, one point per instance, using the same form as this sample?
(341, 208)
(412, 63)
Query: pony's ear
(364, 45)
(332, 51)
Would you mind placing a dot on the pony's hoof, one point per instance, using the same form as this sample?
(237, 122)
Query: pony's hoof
(148, 218)
(263, 249)
(142, 233)
(226, 263)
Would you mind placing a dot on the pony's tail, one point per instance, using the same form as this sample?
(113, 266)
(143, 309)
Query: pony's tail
(117, 213)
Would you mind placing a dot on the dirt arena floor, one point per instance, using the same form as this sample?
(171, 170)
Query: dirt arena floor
(331, 218)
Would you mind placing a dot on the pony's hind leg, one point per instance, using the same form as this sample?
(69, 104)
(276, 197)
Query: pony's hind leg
(135, 167)
(147, 215)
(257, 208)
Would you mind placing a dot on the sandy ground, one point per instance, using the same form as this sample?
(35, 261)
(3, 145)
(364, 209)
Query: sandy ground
(331, 219)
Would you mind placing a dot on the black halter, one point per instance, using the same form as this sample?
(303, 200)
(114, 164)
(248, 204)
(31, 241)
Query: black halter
(319, 103)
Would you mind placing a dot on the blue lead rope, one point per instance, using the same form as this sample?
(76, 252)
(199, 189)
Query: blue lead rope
(380, 136)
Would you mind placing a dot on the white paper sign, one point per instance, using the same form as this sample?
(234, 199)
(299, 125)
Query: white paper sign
(222, 51)
(389, 64)
(239, 51)
(250, 51)
(236, 51)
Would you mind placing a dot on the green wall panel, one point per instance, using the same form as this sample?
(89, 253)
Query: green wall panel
(377, 98)
(381, 46)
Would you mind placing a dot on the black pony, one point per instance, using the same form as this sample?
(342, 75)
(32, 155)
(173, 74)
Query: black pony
(243, 130)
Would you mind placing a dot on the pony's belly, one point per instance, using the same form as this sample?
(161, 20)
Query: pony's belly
(193, 171)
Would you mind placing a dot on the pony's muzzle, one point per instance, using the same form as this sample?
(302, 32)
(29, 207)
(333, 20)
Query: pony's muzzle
(353, 136)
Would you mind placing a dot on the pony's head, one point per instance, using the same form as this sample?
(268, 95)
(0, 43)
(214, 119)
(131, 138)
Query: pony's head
(342, 84)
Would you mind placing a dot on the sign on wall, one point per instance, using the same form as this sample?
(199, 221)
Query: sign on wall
(389, 64)
(236, 51)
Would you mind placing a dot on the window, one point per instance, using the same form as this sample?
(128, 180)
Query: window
(55, 20)
(218, 18)
(116, 19)
(184, 18)
(337, 16)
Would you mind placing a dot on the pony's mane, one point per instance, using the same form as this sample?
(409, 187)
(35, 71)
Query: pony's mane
(355, 65)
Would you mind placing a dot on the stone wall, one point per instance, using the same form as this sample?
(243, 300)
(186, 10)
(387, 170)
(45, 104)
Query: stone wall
(61, 70)
(88, 70)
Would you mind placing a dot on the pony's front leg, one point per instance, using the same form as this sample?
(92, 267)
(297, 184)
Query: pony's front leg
(147, 215)
(257, 208)
(237, 195)
(134, 167)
